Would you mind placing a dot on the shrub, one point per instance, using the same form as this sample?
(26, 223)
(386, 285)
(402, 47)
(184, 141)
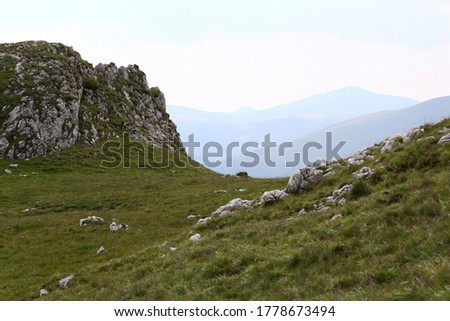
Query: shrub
(242, 174)
(360, 188)
(90, 83)
(155, 92)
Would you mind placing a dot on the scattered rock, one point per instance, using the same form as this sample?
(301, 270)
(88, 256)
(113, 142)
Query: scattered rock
(14, 165)
(89, 219)
(43, 292)
(272, 196)
(204, 220)
(34, 173)
(302, 178)
(195, 238)
(64, 283)
(444, 130)
(342, 201)
(232, 206)
(173, 249)
(302, 212)
(23, 175)
(444, 139)
(337, 217)
(338, 192)
(114, 226)
(241, 190)
(324, 209)
(28, 209)
(320, 163)
(101, 249)
(7, 171)
(191, 217)
(356, 160)
(220, 191)
(363, 172)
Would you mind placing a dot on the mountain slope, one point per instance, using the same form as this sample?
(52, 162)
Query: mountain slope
(391, 241)
(50, 98)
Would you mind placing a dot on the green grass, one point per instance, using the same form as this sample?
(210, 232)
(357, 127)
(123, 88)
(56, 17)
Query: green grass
(393, 242)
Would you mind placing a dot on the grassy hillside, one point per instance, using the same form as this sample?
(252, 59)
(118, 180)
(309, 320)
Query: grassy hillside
(393, 241)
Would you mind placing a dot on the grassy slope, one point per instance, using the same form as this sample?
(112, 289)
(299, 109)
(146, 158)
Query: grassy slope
(393, 242)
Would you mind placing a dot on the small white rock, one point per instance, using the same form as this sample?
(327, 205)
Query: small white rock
(173, 249)
(195, 238)
(43, 292)
(64, 283)
(191, 217)
(337, 217)
(302, 212)
(14, 165)
(101, 249)
(7, 171)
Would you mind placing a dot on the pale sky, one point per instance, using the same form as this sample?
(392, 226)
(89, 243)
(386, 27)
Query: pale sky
(222, 55)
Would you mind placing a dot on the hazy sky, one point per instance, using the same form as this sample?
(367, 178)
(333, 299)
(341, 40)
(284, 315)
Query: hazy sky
(221, 55)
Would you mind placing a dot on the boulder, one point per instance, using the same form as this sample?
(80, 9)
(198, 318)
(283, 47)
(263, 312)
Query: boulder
(90, 219)
(195, 238)
(363, 172)
(302, 178)
(337, 217)
(272, 196)
(64, 283)
(101, 249)
(444, 139)
(232, 206)
(43, 292)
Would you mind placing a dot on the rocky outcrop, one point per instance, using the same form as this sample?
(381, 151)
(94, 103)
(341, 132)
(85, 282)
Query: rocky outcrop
(50, 98)
(406, 137)
(302, 178)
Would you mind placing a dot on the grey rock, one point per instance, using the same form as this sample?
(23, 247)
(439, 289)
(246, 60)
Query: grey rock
(302, 212)
(101, 249)
(406, 137)
(337, 217)
(43, 292)
(203, 220)
(8, 171)
(114, 226)
(195, 238)
(342, 201)
(363, 173)
(324, 209)
(64, 283)
(90, 219)
(444, 139)
(339, 191)
(220, 191)
(273, 196)
(191, 217)
(14, 165)
(232, 206)
(172, 249)
(302, 178)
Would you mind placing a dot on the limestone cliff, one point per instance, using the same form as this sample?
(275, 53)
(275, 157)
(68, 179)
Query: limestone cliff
(50, 98)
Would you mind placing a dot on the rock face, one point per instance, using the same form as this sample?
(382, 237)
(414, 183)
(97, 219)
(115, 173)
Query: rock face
(50, 98)
(302, 178)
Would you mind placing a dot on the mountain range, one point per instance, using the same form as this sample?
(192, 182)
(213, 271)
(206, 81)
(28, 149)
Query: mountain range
(351, 114)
